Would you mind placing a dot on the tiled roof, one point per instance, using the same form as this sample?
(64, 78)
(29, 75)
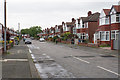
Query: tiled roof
(59, 26)
(117, 7)
(106, 11)
(91, 18)
(94, 17)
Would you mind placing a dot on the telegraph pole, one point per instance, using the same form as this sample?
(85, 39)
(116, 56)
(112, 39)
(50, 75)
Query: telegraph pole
(19, 29)
(5, 50)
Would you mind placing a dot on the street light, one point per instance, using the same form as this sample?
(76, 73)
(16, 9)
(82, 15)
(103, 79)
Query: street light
(5, 50)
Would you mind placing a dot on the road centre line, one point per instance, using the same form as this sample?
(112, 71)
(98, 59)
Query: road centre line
(108, 70)
(81, 60)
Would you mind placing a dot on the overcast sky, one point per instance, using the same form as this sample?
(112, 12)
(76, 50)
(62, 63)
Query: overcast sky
(47, 13)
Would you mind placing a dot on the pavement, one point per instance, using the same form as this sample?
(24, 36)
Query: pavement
(17, 63)
(100, 50)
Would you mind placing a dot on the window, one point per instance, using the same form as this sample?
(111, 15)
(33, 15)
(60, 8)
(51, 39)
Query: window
(114, 34)
(107, 20)
(107, 35)
(117, 18)
(64, 28)
(104, 36)
(74, 30)
(83, 25)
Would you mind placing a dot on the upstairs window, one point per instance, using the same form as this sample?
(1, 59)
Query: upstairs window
(117, 17)
(107, 20)
(83, 25)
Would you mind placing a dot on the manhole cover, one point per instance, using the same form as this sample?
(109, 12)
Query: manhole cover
(67, 56)
(75, 48)
(46, 61)
(107, 56)
(85, 56)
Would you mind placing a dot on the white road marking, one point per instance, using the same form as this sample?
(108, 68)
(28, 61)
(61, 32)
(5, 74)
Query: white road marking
(44, 54)
(3, 60)
(15, 59)
(32, 55)
(108, 70)
(30, 51)
(81, 60)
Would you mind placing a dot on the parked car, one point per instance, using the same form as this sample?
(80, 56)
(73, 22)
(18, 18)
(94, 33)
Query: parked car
(32, 38)
(41, 39)
(28, 41)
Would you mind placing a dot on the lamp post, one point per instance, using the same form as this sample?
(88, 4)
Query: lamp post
(5, 50)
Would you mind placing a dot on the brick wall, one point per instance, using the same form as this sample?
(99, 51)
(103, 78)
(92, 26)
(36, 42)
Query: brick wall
(92, 27)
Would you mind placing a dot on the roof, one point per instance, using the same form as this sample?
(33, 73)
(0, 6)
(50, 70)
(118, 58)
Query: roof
(92, 18)
(106, 11)
(59, 26)
(70, 23)
(117, 8)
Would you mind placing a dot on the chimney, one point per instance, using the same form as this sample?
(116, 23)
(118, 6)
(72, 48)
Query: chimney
(89, 13)
(119, 3)
(73, 19)
(62, 23)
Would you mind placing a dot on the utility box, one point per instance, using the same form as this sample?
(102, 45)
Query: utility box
(76, 41)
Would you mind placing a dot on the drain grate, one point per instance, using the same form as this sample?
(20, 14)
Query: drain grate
(85, 56)
(107, 56)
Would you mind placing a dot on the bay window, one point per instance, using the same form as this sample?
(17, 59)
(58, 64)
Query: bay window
(104, 35)
(114, 34)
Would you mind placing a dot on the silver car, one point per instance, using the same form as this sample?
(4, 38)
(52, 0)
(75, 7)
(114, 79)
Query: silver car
(41, 39)
(28, 41)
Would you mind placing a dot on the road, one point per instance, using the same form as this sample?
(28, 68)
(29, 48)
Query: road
(83, 62)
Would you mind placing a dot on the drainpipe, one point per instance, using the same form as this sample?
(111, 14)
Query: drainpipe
(119, 53)
(110, 30)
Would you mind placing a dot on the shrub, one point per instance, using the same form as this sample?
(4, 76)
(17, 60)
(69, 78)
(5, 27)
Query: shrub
(55, 38)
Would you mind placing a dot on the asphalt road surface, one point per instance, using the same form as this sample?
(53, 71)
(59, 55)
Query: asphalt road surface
(51, 59)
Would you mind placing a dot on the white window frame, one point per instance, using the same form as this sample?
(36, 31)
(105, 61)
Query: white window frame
(115, 34)
(104, 33)
(118, 16)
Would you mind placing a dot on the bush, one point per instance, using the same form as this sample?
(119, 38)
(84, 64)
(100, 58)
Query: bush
(50, 39)
(55, 38)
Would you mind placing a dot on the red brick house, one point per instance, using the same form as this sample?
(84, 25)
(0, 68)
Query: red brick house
(102, 34)
(109, 25)
(86, 26)
(68, 26)
(52, 32)
(115, 21)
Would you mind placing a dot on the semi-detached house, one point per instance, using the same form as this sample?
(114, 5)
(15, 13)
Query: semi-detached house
(109, 25)
(68, 26)
(86, 26)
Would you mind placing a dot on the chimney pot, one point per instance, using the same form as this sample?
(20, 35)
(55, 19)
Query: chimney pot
(89, 13)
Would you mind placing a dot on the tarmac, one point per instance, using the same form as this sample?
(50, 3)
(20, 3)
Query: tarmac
(18, 64)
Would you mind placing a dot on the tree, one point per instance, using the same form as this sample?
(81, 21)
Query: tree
(32, 31)
(66, 36)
